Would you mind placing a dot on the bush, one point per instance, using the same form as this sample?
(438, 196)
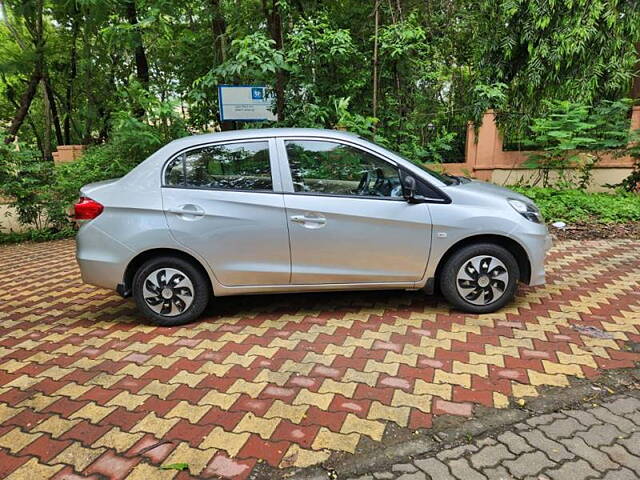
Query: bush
(580, 206)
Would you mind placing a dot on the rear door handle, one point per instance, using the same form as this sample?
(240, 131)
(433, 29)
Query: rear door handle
(189, 209)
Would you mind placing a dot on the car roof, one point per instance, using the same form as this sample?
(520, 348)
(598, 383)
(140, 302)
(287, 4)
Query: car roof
(262, 133)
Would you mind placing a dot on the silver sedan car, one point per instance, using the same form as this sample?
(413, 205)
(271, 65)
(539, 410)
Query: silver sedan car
(298, 210)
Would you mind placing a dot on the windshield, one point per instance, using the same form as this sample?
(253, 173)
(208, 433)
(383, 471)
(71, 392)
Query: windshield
(443, 177)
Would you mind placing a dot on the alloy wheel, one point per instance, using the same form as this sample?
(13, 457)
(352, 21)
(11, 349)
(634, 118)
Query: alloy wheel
(482, 280)
(168, 291)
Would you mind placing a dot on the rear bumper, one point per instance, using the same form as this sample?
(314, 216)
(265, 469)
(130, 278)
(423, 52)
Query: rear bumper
(101, 258)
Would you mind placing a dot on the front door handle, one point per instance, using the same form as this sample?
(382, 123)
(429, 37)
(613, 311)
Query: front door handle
(309, 221)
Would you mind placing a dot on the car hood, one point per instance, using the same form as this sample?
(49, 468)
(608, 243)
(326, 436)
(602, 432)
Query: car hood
(478, 186)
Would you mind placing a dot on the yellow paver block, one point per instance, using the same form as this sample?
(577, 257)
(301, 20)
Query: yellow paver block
(500, 400)
(92, 412)
(332, 349)
(15, 440)
(462, 379)
(187, 378)
(553, 368)
(194, 457)
(230, 442)
(252, 389)
(161, 361)
(437, 390)
(300, 457)
(318, 358)
(426, 351)
(519, 390)
(72, 390)
(279, 378)
(78, 456)
(410, 359)
(55, 372)
(326, 439)
(600, 342)
(13, 365)
(370, 428)
(216, 369)
(399, 415)
(443, 343)
(156, 425)
(294, 413)
(7, 412)
(130, 401)
(403, 399)
(497, 360)
(34, 470)
(188, 411)
(495, 350)
(55, 425)
(320, 400)
(479, 369)
(136, 371)
(290, 366)
(516, 342)
(260, 351)
(368, 378)
(144, 471)
(459, 336)
(390, 369)
(344, 389)
(117, 440)
(160, 390)
(37, 402)
(537, 378)
(358, 342)
(105, 380)
(567, 359)
(262, 426)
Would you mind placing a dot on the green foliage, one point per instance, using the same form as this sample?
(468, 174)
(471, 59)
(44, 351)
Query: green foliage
(575, 135)
(580, 206)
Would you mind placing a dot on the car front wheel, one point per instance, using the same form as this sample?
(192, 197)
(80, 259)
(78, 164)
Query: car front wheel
(480, 278)
(170, 291)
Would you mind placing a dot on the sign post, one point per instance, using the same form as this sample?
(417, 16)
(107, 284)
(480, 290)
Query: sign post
(248, 103)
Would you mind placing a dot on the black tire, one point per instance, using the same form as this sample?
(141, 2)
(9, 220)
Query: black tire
(201, 291)
(449, 278)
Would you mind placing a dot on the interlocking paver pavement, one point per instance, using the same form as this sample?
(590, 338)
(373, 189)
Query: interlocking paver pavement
(614, 460)
(287, 380)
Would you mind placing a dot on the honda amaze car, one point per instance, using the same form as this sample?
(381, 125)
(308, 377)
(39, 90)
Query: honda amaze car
(298, 210)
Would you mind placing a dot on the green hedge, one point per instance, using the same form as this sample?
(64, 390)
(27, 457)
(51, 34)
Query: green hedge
(580, 206)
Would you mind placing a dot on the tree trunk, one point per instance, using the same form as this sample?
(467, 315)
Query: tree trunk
(142, 66)
(218, 30)
(46, 136)
(71, 76)
(51, 101)
(376, 14)
(274, 23)
(635, 86)
(23, 108)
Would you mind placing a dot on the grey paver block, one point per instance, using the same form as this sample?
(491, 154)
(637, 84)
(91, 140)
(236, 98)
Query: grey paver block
(634, 417)
(413, 476)
(619, 454)
(599, 435)
(434, 468)
(515, 443)
(490, 456)
(622, 474)
(544, 419)
(554, 450)
(624, 405)
(457, 452)
(583, 417)
(486, 441)
(462, 470)
(404, 468)
(498, 473)
(632, 443)
(575, 470)
(562, 428)
(383, 476)
(528, 464)
(606, 416)
(599, 460)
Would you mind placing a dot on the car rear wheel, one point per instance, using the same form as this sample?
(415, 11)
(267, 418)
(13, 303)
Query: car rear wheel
(480, 278)
(170, 291)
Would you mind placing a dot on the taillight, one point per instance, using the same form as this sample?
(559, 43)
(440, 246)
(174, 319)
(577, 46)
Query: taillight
(87, 209)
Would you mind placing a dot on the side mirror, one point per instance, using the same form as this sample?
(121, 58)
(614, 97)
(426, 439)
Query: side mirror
(409, 188)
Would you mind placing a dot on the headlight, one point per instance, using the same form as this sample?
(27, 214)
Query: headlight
(527, 210)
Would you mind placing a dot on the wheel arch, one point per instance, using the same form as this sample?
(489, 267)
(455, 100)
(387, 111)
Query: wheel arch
(517, 250)
(136, 262)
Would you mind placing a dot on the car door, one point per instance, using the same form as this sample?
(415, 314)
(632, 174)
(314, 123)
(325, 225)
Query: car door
(348, 220)
(220, 200)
